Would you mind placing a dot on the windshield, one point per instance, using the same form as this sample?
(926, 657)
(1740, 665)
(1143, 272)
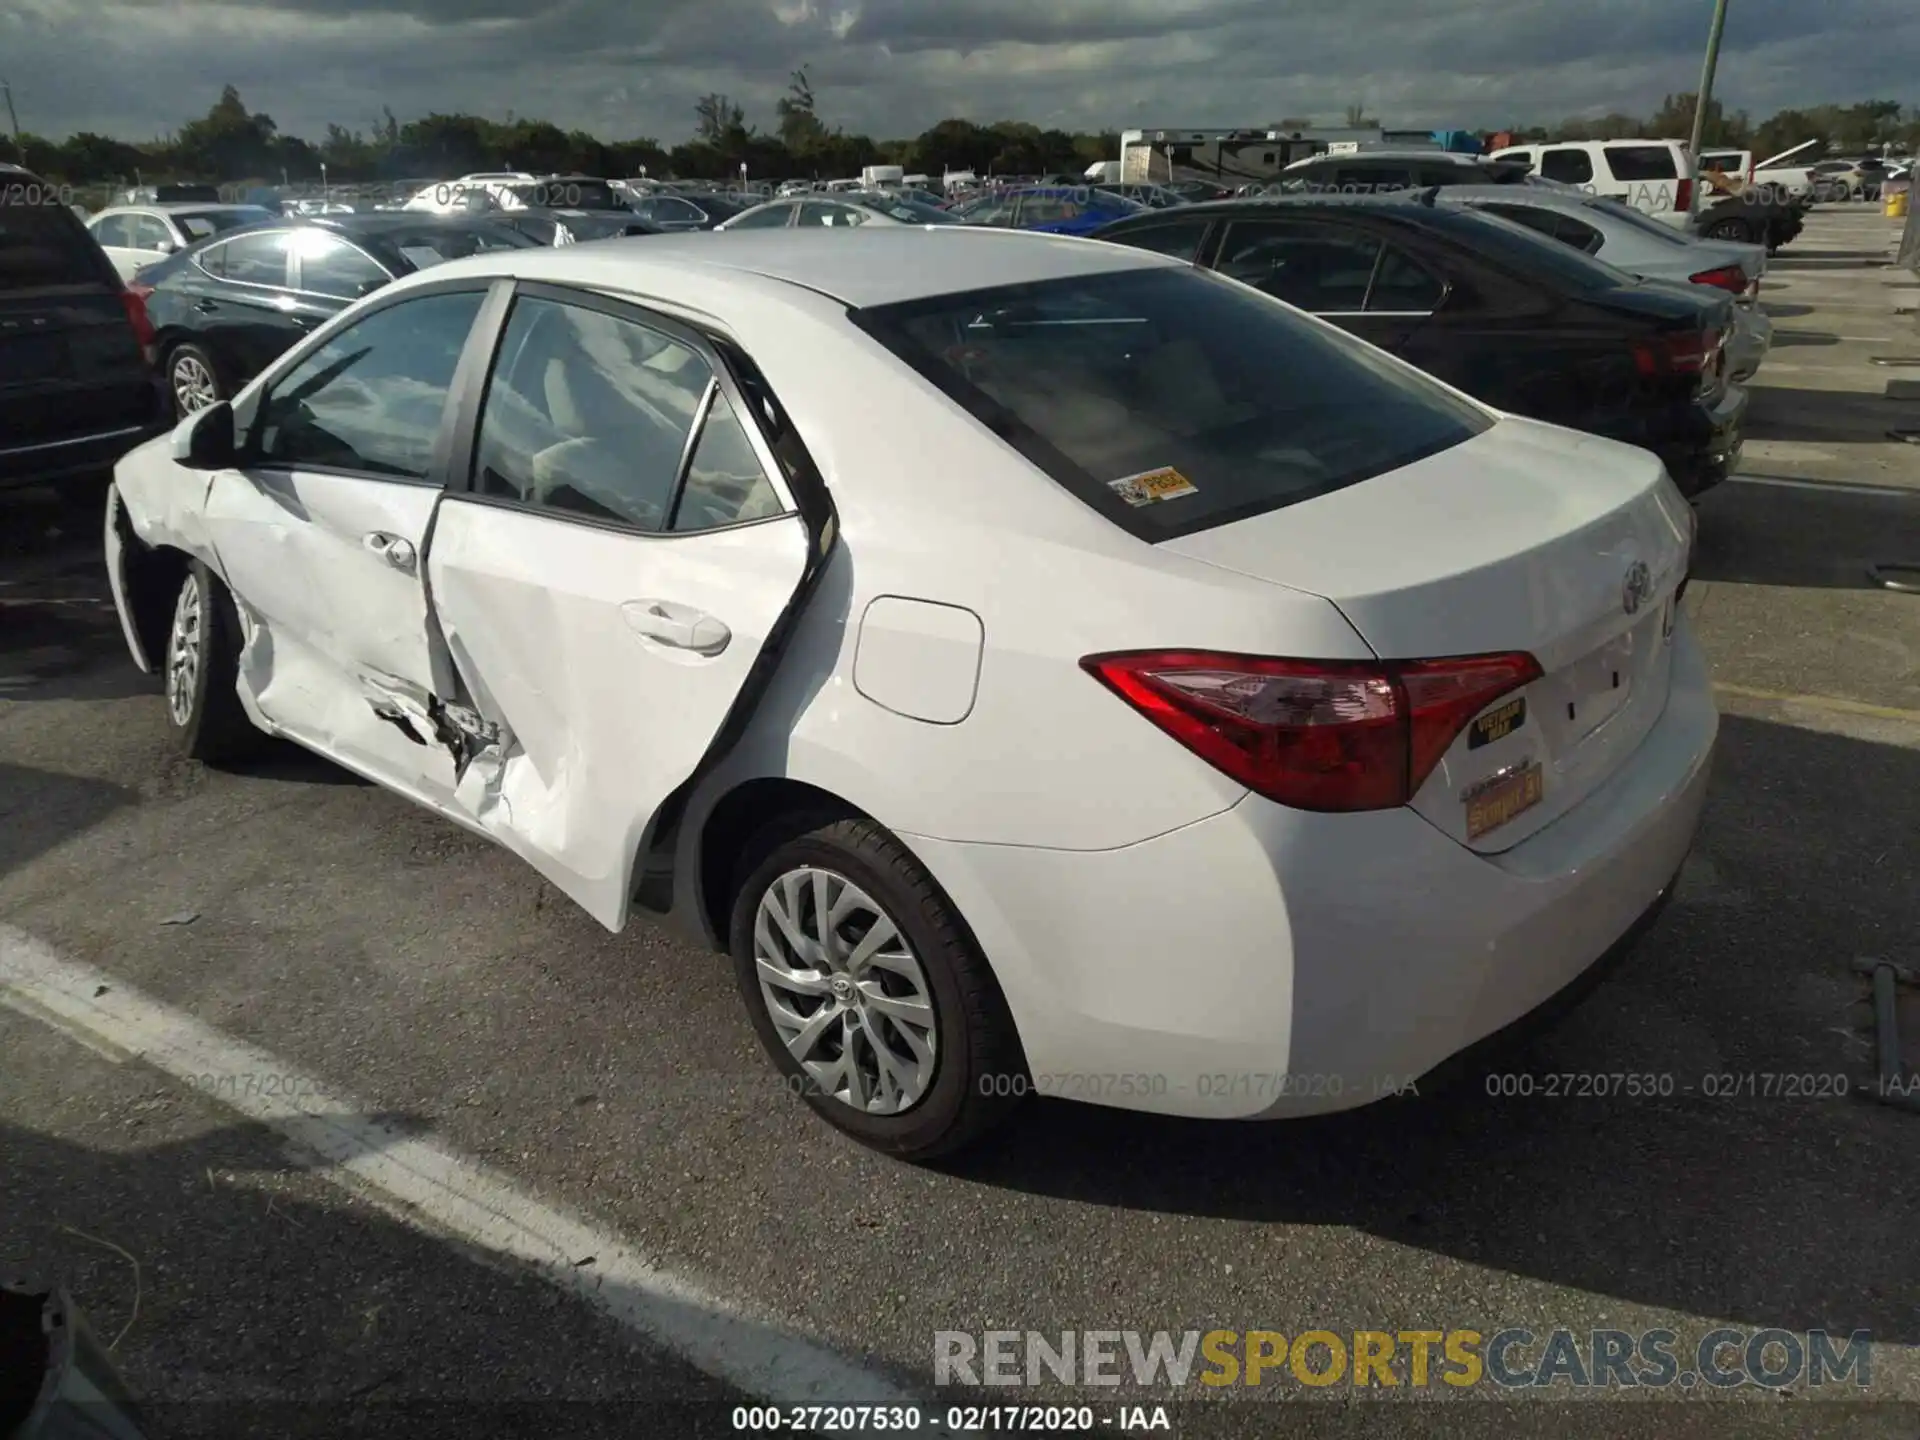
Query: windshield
(1530, 253)
(1172, 400)
(1115, 204)
(199, 224)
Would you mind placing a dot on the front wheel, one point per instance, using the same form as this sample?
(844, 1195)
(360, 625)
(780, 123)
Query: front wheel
(202, 673)
(868, 992)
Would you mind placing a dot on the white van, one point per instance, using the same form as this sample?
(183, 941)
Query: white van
(1653, 176)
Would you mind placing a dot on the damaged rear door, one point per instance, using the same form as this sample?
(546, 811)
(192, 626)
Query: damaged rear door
(322, 530)
(607, 581)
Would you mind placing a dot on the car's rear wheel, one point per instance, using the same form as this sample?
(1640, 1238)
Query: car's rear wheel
(1735, 230)
(869, 993)
(193, 379)
(202, 668)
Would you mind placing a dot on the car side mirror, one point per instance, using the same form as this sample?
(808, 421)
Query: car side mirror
(205, 440)
(165, 247)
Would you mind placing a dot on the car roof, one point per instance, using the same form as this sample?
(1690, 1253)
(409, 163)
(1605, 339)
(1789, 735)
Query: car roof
(1406, 204)
(179, 207)
(1403, 152)
(1538, 197)
(859, 267)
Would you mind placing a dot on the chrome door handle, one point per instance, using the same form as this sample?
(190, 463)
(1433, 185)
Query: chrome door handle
(679, 626)
(397, 552)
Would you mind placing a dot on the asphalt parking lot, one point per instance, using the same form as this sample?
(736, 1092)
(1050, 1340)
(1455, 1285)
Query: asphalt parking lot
(454, 997)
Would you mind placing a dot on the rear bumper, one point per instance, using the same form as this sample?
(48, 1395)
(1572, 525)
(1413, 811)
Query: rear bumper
(1269, 962)
(1705, 446)
(93, 453)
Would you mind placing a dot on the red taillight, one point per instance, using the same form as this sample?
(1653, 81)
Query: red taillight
(1730, 278)
(1314, 734)
(134, 300)
(1683, 196)
(1686, 352)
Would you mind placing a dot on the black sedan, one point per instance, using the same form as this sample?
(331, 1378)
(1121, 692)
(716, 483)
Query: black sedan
(223, 309)
(686, 210)
(1508, 316)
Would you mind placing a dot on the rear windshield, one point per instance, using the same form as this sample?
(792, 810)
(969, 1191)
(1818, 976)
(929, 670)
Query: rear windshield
(1634, 219)
(1539, 257)
(44, 244)
(1171, 400)
(200, 224)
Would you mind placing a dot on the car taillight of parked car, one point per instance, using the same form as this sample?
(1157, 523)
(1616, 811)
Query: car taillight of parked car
(133, 299)
(1730, 278)
(1683, 196)
(1684, 352)
(1314, 734)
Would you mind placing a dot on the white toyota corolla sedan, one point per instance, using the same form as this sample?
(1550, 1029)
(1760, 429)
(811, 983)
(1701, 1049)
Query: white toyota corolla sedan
(1043, 666)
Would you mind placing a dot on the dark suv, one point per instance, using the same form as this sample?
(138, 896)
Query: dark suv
(76, 389)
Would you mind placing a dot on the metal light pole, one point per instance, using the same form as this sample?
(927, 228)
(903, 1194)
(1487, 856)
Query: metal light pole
(1702, 101)
(19, 146)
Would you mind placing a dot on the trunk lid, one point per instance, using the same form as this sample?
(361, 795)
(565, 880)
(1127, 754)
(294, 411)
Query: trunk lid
(1526, 538)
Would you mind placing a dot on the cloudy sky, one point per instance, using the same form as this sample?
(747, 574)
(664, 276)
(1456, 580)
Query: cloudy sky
(625, 68)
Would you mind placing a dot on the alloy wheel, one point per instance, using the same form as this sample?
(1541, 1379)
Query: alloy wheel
(183, 654)
(845, 991)
(193, 384)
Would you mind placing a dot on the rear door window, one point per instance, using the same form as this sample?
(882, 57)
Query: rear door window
(1180, 239)
(257, 259)
(1632, 163)
(45, 245)
(1170, 400)
(1569, 166)
(330, 266)
(115, 230)
(1403, 286)
(1312, 266)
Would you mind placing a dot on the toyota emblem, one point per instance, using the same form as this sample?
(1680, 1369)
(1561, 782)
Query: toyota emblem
(1638, 587)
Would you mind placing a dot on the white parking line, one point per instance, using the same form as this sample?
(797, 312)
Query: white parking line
(435, 1189)
(1839, 487)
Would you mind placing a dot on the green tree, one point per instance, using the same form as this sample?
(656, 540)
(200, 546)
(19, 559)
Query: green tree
(800, 126)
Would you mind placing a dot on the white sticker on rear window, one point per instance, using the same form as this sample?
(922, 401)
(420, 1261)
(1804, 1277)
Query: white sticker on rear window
(1150, 487)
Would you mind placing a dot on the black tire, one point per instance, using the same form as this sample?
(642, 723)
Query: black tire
(203, 709)
(979, 1071)
(1735, 230)
(189, 354)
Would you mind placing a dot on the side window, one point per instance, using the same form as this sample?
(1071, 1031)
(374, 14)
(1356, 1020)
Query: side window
(1315, 269)
(1634, 163)
(257, 259)
(373, 398)
(213, 260)
(1181, 241)
(149, 233)
(725, 482)
(1577, 234)
(114, 230)
(1405, 286)
(1568, 166)
(677, 211)
(330, 266)
(771, 217)
(815, 213)
(588, 413)
(1544, 221)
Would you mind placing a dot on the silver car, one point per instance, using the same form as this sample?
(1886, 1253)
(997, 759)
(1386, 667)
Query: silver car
(1629, 241)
